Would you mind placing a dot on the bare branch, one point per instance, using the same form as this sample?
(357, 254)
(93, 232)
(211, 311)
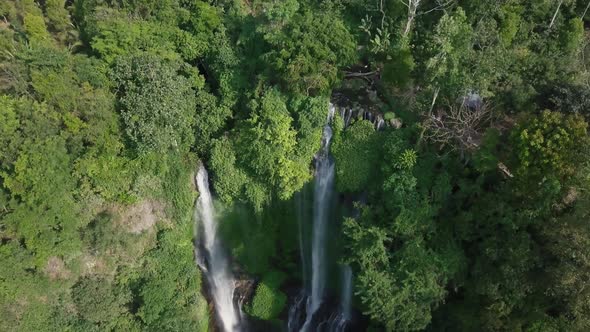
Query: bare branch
(458, 126)
(412, 9)
(555, 15)
(348, 74)
(585, 10)
(441, 6)
(382, 15)
(505, 169)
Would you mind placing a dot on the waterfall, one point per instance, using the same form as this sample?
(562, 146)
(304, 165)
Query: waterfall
(213, 260)
(301, 214)
(307, 311)
(346, 295)
(338, 321)
(324, 183)
(380, 123)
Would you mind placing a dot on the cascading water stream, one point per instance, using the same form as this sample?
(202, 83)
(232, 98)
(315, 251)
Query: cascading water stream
(213, 261)
(307, 312)
(338, 322)
(346, 295)
(324, 183)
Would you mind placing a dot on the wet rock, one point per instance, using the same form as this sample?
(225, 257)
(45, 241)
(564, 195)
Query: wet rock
(395, 123)
(372, 94)
(245, 289)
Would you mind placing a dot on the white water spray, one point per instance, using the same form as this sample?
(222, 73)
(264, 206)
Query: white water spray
(217, 270)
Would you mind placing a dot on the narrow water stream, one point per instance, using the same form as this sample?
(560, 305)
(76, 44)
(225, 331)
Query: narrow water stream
(212, 258)
(308, 304)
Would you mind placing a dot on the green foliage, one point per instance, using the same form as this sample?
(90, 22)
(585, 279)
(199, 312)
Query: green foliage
(550, 144)
(47, 216)
(310, 117)
(97, 301)
(100, 117)
(355, 151)
(400, 276)
(573, 35)
(253, 236)
(169, 29)
(157, 104)
(367, 244)
(229, 179)
(273, 159)
(169, 289)
(571, 98)
(452, 47)
(210, 119)
(66, 179)
(308, 50)
(398, 69)
(406, 160)
(509, 24)
(57, 14)
(268, 301)
(486, 159)
(268, 144)
(567, 242)
(34, 23)
(121, 37)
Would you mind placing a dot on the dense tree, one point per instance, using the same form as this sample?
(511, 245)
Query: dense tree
(97, 301)
(157, 104)
(268, 143)
(356, 154)
(307, 49)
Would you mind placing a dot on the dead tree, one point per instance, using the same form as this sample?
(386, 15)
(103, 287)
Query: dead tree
(412, 6)
(458, 127)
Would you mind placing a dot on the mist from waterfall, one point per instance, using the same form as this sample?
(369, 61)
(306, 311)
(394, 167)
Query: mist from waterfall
(212, 258)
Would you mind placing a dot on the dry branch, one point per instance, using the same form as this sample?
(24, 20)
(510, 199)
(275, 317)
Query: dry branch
(458, 126)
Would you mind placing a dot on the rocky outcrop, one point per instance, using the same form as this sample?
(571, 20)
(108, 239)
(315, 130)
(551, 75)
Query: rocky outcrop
(245, 289)
(358, 99)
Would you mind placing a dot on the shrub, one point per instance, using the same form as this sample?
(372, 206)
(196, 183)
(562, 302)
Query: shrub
(268, 300)
(356, 155)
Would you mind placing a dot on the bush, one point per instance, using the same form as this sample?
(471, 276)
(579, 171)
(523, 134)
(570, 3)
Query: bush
(98, 300)
(355, 153)
(157, 104)
(268, 300)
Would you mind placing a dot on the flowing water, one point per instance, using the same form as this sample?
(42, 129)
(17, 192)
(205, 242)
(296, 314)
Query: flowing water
(323, 190)
(338, 322)
(346, 295)
(324, 186)
(212, 258)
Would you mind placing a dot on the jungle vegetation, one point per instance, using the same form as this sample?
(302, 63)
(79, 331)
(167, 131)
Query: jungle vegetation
(476, 191)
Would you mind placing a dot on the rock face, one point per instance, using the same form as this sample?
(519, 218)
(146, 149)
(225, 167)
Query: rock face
(358, 99)
(395, 123)
(245, 288)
